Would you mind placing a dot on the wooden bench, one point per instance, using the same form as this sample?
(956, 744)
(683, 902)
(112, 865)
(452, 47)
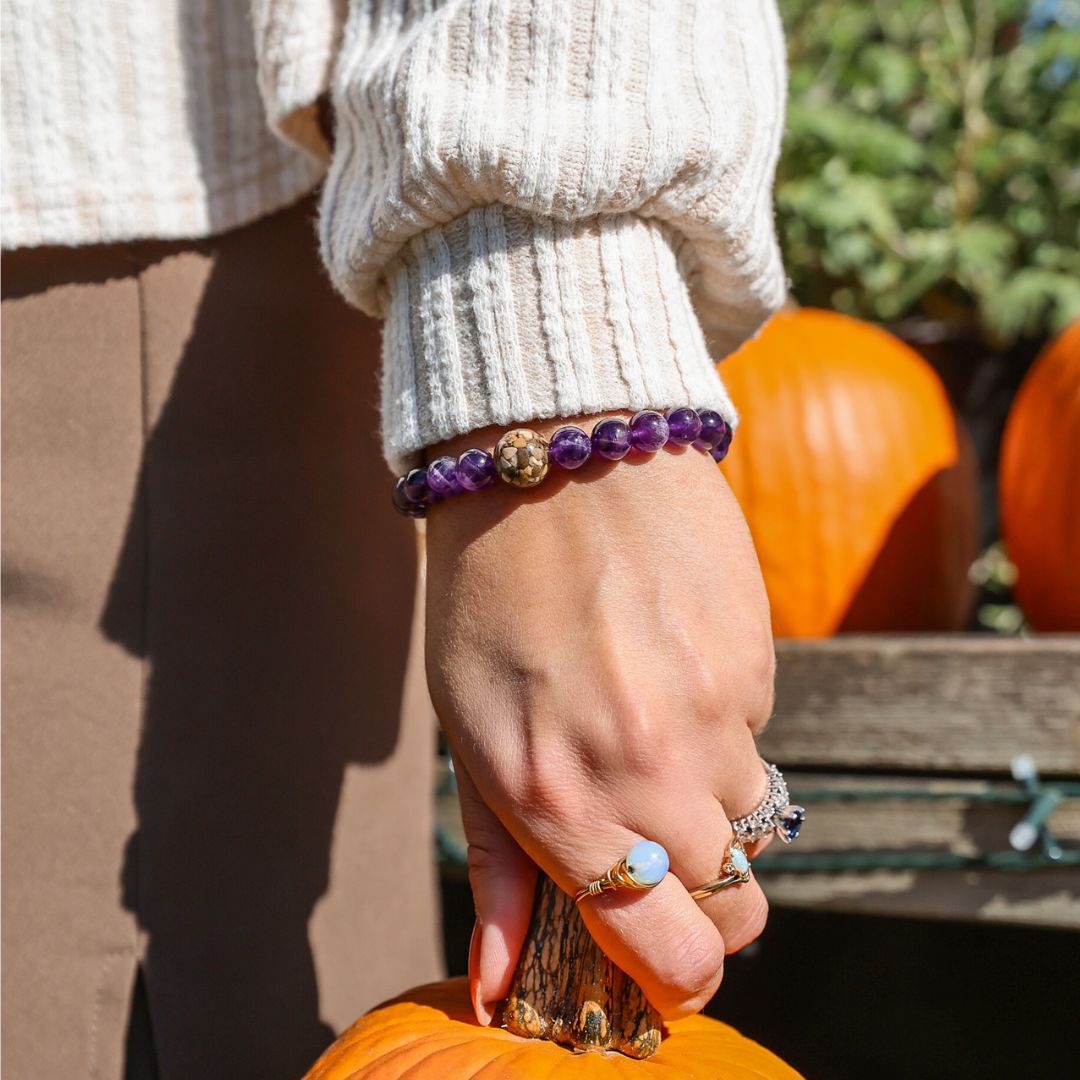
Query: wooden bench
(942, 718)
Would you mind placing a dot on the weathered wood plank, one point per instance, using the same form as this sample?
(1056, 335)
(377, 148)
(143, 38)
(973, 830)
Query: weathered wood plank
(1047, 898)
(965, 703)
(956, 825)
(959, 824)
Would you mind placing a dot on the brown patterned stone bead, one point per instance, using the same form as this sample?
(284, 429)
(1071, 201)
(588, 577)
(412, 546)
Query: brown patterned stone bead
(521, 458)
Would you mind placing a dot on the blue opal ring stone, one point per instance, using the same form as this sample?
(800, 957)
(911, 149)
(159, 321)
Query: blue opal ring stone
(644, 867)
(774, 814)
(735, 870)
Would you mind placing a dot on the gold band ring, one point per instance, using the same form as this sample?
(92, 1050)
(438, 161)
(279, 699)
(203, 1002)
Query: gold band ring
(643, 867)
(734, 871)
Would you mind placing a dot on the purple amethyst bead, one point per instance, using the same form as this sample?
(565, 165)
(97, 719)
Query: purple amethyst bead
(720, 450)
(475, 470)
(416, 486)
(402, 503)
(712, 429)
(684, 425)
(570, 448)
(611, 439)
(648, 431)
(442, 477)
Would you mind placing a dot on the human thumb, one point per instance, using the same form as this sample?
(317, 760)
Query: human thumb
(503, 880)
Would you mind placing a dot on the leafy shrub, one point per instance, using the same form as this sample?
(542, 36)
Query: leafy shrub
(932, 160)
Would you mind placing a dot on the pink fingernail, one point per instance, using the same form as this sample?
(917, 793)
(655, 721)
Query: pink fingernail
(483, 1015)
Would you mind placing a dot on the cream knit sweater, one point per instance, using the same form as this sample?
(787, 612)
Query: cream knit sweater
(558, 206)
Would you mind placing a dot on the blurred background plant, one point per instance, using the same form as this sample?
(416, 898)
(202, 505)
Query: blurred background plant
(931, 167)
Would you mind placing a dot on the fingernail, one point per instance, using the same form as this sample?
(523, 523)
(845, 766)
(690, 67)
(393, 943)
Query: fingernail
(493, 962)
(483, 1015)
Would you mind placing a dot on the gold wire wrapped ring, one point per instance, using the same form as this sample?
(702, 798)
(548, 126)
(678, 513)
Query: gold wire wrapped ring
(643, 867)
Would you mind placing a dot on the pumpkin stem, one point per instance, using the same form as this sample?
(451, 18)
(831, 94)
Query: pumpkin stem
(565, 990)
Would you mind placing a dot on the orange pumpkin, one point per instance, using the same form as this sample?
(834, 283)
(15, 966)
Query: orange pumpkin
(431, 1032)
(565, 994)
(856, 480)
(1039, 486)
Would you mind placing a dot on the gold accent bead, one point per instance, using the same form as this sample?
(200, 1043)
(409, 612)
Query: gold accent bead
(521, 458)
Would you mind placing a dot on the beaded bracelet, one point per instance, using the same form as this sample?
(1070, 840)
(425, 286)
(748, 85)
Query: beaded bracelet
(523, 458)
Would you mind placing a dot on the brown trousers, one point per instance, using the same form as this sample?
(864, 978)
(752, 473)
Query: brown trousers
(207, 770)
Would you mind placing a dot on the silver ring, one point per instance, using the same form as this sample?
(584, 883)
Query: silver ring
(773, 814)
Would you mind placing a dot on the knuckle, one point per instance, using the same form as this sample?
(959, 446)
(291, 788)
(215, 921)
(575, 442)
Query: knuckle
(761, 680)
(696, 968)
(638, 725)
(700, 675)
(760, 716)
(766, 656)
(647, 745)
(760, 657)
(548, 792)
(742, 685)
(649, 763)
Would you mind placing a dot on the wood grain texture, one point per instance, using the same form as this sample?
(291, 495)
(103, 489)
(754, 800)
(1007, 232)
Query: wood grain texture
(1046, 898)
(943, 815)
(965, 703)
(958, 825)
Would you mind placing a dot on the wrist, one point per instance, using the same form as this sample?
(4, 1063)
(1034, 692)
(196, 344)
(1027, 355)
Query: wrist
(524, 457)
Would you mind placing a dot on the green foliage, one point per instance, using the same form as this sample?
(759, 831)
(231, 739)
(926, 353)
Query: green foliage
(932, 160)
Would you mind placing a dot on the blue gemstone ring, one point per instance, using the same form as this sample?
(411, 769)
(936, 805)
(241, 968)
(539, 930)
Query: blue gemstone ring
(644, 867)
(735, 870)
(773, 814)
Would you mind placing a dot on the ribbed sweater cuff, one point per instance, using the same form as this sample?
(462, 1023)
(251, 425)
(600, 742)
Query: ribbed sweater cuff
(501, 317)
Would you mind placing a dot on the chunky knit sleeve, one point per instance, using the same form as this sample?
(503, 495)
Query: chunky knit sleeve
(557, 206)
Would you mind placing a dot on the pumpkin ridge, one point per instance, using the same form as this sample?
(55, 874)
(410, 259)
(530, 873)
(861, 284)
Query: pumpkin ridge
(494, 1070)
(704, 1043)
(404, 1060)
(442, 1055)
(381, 1039)
(406, 1026)
(1038, 476)
(857, 486)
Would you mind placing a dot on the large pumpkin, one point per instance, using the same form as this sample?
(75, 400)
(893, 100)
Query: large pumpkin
(565, 992)
(1039, 488)
(431, 1032)
(856, 480)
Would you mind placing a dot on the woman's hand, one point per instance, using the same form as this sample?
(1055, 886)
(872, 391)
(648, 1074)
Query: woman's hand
(599, 654)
